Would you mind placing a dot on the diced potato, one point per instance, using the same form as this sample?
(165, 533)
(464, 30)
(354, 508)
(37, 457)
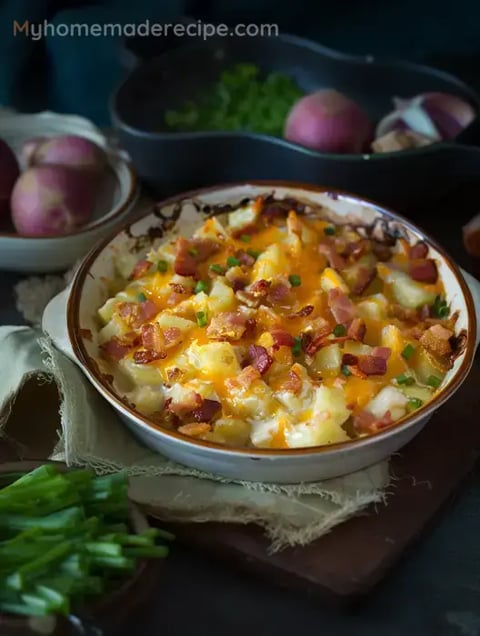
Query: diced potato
(357, 348)
(328, 414)
(388, 399)
(167, 321)
(350, 274)
(147, 374)
(215, 359)
(407, 292)
(212, 229)
(125, 262)
(107, 310)
(330, 279)
(270, 432)
(180, 391)
(199, 302)
(425, 365)
(231, 431)
(329, 406)
(271, 262)
(392, 338)
(243, 218)
(165, 252)
(221, 298)
(328, 360)
(116, 327)
(415, 391)
(373, 308)
(255, 402)
(147, 399)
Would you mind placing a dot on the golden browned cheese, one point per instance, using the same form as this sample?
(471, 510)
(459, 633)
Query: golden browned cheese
(320, 381)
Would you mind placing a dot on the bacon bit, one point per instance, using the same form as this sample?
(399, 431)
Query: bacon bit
(372, 365)
(238, 284)
(402, 313)
(364, 277)
(195, 429)
(131, 338)
(140, 269)
(114, 349)
(418, 251)
(279, 292)
(181, 289)
(152, 338)
(135, 314)
(175, 299)
(173, 336)
(207, 411)
(304, 311)
(260, 288)
(356, 371)
(365, 422)
(189, 403)
(293, 383)
(424, 312)
(227, 325)
(274, 211)
(247, 298)
(267, 318)
(190, 253)
(358, 248)
(382, 252)
(339, 383)
(244, 379)
(382, 352)
(357, 330)
(294, 225)
(349, 359)
(260, 358)
(245, 259)
(282, 338)
(145, 356)
(437, 340)
(174, 374)
(306, 339)
(86, 333)
(424, 271)
(341, 306)
(250, 326)
(321, 329)
(333, 257)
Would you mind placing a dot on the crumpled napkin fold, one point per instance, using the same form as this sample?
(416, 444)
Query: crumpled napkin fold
(92, 435)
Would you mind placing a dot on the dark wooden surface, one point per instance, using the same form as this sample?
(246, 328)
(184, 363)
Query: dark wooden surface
(347, 563)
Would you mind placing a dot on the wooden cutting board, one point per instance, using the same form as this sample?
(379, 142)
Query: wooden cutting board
(346, 564)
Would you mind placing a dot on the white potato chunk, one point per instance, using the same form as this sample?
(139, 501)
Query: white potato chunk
(107, 310)
(271, 262)
(214, 359)
(407, 292)
(147, 399)
(221, 298)
(243, 218)
(373, 308)
(165, 252)
(141, 374)
(328, 360)
(263, 431)
(230, 431)
(167, 320)
(212, 229)
(116, 327)
(388, 399)
(330, 279)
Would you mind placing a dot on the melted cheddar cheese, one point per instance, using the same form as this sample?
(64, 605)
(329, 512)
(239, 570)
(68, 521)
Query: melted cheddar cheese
(278, 331)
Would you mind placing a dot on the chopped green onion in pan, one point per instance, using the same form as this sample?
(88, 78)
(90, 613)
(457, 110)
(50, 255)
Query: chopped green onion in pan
(295, 280)
(408, 352)
(218, 269)
(162, 266)
(201, 286)
(232, 261)
(201, 318)
(339, 331)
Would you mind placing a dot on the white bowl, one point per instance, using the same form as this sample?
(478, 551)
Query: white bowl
(114, 202)
(75, 310)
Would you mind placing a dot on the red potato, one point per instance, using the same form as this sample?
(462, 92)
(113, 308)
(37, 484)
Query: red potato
(70, 150)
(52, 200)
(329, 122)
(9, 172)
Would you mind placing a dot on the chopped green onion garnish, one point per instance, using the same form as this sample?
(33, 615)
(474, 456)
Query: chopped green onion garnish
(232, 261)
(329, 230)
(434, 381)
(193, 251)
(201, 286)
(408, 352)
(405, 379)
(297, 347)
(201, 318)
(345, 370)
(253, 253)
(440, 307)
(218, 269)
(162, 266)
(415, 403)
(295, 280)
(246, 238)
(141, 297)
(339, 331)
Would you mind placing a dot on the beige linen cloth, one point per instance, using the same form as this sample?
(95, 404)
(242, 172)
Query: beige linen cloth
(92, 435)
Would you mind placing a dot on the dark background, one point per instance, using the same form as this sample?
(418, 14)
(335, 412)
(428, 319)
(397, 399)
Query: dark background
(78, 74)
